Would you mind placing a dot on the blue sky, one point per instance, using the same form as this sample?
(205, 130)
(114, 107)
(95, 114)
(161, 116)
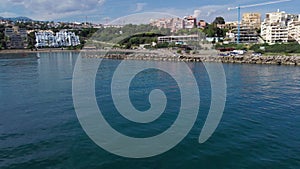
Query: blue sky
(102, 11)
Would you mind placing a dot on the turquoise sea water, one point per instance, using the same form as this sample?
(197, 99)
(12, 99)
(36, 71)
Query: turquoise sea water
(39, 128)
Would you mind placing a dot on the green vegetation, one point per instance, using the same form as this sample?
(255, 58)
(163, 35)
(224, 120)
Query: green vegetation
(264, 48)
(145, 38)
(219, 20)
(135, 40)
(212, 30)
(115, 35)
(2, 38)
(21, 24)
(31, 40)
(148, 39)
(78, 47)
(164, 45)
(2, 42)
(277, 48)
(233, 45)
(126, 37)
(188, 31)
(84, 35)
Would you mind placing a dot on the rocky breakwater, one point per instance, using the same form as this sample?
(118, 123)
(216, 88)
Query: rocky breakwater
(156, 55)
(247, 59)
(167, 55)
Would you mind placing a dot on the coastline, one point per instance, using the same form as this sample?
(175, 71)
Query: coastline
(168, 55)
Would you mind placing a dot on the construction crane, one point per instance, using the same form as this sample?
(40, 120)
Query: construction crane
(238, 8)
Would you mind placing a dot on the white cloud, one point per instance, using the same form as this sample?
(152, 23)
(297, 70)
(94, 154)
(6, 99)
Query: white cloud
(207, 13)
(140, 7)
(141, 18)
(196, 13)
(209, 10)
(55, 9)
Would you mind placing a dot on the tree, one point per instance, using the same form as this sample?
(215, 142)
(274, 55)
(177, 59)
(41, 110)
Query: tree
(31, 40)
(163, 45)
(213, 31)
(219, 20)
(210, 31)
(1, 36)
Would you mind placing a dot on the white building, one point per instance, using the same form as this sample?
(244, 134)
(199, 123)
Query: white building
(294, 30)
(278, 28)
(190, 22)
(275, 33)
(175, 39)
(60, 39)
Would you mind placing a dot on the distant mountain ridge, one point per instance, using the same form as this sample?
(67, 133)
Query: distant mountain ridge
(14, 19)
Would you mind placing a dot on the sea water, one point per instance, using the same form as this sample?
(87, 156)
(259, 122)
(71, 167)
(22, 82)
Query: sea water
(39, 128)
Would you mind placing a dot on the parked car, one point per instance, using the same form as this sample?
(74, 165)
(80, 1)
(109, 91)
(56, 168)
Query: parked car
(256, 54)
(239, 52)
(224, 54)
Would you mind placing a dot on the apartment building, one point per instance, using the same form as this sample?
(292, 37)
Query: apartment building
(16, 37)
(60, 39)
(231, 25)
(279, 27)
(9, 32)
(248, 34)
(294, 30)
(174, 24)
(252, 20)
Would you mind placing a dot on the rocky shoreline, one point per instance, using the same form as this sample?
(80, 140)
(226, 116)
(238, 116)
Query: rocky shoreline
(169, 56)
